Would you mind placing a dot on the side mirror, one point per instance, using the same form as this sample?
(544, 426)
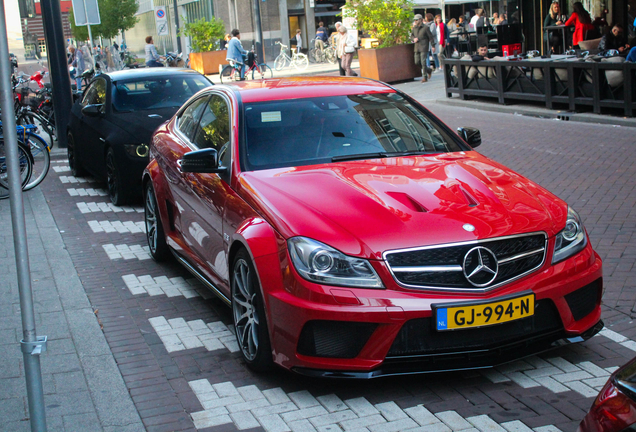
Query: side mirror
(472, 136)
(94, 110)
(202, 161)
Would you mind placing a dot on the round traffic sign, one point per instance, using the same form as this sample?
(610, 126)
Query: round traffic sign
(161, 13)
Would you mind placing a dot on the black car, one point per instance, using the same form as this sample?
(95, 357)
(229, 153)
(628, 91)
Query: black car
(111, 124)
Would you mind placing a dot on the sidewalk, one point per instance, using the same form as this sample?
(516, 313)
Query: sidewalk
(83, 388)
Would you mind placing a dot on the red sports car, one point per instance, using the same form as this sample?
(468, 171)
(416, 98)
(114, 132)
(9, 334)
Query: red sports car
(355, 235)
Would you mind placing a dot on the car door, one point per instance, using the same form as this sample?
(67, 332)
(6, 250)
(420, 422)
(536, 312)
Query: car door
(77, 124)
(208, 192)
(94, 129)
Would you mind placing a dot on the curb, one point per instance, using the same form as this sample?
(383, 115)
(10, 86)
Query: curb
(540, 112)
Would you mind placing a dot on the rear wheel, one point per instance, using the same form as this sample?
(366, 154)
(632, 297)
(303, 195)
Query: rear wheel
(41, 160)
(76, 167)
(301, 62)
(154, 228)
(280, 62)
(26, 165)
(227, 74)
(248, 312)
(262, 71)
(116, 191)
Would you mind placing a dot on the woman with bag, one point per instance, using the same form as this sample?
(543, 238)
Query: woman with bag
(345, 50)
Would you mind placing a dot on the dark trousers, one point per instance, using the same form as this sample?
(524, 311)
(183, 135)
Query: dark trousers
(342, 71)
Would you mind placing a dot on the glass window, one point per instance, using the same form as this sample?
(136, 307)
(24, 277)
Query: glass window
(214, 130)
(189, 118)
(320, 130)
(96, 93)
(158, 92)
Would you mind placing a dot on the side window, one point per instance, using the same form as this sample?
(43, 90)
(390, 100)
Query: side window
(214, 130)
(189, 118)
(96, 93)
(89, 96)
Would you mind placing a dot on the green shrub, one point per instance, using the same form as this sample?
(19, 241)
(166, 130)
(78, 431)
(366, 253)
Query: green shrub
(204, 35)
(388, 21)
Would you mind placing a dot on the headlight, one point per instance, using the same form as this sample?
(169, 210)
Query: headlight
(571, 240)
(322, 264)
(137, 150)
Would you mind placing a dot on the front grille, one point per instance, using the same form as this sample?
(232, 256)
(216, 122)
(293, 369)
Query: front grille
(334, 339)
(583, 301)
(441, 266)
(418, 337)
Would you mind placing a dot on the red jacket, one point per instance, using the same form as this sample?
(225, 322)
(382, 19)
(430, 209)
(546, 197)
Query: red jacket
(579, 28)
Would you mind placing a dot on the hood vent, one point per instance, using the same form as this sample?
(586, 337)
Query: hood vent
(407, 201)
(472, 202)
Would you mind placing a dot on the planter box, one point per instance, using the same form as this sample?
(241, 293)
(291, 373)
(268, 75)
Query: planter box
(208, 62)
(389, 64)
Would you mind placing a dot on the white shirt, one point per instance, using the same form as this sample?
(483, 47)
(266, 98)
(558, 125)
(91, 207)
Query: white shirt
(473, 22)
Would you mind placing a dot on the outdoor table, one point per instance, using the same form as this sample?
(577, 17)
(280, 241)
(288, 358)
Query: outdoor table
(560, 28)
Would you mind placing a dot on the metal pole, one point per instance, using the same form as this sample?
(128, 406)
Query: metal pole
(443, 7)
(176, 23)
(58, 66)
(31, 345)
(258, 30)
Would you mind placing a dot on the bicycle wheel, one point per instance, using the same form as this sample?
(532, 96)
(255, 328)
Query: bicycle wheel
(280, 62)
(330, 55)
(29, 117)
(262, 71)
(311, 55)
(26, 166)
(41, 160)
(301, 62)
(227, 74)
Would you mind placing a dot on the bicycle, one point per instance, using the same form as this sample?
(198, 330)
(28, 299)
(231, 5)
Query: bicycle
(26, 166)
(39, 152)
(36, 110)
(232, 72)
(298, 60)
(327, 54)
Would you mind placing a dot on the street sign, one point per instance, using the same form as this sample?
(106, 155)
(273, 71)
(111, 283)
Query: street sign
(161, 21)
(81, 8)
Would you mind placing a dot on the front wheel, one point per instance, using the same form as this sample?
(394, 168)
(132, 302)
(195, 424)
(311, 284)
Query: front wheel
(116, 191)
(280, 62)
(262, 71)
(26, 166)
(330, 56)
(301, 62)
(227, 74)
(248, 312)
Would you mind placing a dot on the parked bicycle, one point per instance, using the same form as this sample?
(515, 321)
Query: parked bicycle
(34, 107)
(297, 60)
(232, 71)
(39, 152)
(316, 55)
(25, 164)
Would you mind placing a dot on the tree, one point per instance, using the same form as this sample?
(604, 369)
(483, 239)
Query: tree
(204, 35)
(115, 15)
(388, 21)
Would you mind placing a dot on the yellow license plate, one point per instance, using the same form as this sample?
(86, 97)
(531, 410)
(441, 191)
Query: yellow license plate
(483, 314)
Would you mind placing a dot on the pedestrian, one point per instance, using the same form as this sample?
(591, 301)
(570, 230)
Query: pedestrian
(473, 21)
(224, 41)
(77, 61)
(336, 40)
(441, 37)
(321, 37)
(236, 53)
(346, 48)
(581, 21)
(152, 57)
(430, 22)
(494, 19)
(299, 41)
(422, 37)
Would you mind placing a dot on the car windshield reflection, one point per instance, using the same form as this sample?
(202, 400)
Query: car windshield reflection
(330, 129)
(155, 93)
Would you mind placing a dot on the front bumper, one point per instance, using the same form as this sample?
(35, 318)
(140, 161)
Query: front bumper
(569, 293)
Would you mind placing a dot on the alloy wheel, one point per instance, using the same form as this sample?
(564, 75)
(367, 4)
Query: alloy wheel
(246, 319)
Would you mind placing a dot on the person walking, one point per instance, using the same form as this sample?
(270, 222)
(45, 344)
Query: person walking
(299, 41)
(235, 51)
(345, 50)
(321, 37)
(422, 37)
(441, 38)
(336, 40)
(430, 23)
(152, 57)
(77, 61)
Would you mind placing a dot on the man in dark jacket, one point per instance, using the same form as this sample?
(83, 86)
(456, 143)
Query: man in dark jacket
(422, 37)
(614, 40)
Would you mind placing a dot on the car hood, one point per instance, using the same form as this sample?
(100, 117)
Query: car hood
(139, 124)
(364, 208)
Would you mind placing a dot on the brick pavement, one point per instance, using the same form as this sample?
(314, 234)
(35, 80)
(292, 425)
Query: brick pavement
(157, 329)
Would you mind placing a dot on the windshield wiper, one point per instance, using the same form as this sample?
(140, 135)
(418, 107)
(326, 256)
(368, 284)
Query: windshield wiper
(358, 156)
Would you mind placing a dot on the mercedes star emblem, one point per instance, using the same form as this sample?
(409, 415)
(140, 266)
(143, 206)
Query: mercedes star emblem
(469, 227)
(480, 266)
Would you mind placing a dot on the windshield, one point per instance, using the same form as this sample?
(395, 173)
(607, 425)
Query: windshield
(330, 129)
(153, 93)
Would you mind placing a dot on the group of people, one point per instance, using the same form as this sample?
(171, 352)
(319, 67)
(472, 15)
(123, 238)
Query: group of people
(345, 44)
(431, 36)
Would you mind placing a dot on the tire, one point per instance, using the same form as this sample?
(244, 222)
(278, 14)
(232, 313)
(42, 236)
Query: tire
(76, 166)
(27, 117)
(311, 55)
(227, 74)
(248, 313)
(280, 62)
(330, 56)
(155, 234)
(301, 62)
(26, 165)
(41, 160)
(116, 191)
(262, 72)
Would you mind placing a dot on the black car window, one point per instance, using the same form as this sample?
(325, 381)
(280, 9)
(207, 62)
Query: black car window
(214, 127)
(170, 91)
(189, 118)
(320, 130)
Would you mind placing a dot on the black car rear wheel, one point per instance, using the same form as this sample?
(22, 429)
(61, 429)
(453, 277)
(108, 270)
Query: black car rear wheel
(154, 228)
(76, 167)
(116, 190)
(248, 312)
